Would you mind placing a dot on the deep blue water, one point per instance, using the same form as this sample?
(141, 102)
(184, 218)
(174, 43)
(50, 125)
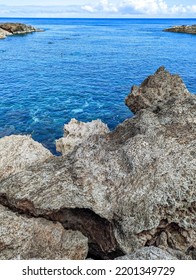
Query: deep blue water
(84, 69)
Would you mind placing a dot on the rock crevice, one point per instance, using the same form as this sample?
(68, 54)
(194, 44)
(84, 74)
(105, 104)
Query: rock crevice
(99, 231)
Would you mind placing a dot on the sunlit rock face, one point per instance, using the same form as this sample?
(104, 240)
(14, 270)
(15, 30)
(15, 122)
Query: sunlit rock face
(17, 152)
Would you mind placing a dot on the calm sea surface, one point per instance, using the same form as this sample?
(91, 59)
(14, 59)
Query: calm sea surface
(84, 69)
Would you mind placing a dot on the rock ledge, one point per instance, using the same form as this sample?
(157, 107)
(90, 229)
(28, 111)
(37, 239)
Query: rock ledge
(189, 29)
(8, 29)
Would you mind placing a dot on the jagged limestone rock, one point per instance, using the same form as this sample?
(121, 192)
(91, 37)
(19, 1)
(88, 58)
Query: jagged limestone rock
(155, 90)
(17, 152)
(38, 238)
(129, 188)
(76, 132)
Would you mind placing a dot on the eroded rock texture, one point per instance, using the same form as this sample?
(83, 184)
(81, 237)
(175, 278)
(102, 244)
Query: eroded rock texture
(17, 152)
(155, 90)
(129, 188)
(30, 238)
(76, 132)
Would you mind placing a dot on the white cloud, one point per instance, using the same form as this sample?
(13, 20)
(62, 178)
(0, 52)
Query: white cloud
(144, 6)
(129, 7)
(192, 8)
(88, 8)
(102, 6)
(178, 9)
(140, 7)
(108, 7)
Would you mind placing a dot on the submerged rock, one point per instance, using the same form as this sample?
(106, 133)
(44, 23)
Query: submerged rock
(126, 189)
(7, 29)
(190, 29)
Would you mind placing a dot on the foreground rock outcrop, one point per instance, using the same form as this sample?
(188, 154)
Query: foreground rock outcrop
(126, 189)
(189, 29)
(28, 238)
(7, 29)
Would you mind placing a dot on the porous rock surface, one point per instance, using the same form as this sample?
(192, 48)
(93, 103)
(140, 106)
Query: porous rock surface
(19, 151)
(76, 132)
(148, 253)
(7, 29)
(126, 189)
(30, 238)
(189, 29)
(155, 90)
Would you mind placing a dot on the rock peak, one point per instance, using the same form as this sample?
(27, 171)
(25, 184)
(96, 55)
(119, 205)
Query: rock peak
(156, 89)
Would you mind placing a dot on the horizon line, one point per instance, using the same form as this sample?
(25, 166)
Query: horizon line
(100, 18)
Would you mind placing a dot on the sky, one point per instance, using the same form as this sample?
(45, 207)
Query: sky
(99, 8)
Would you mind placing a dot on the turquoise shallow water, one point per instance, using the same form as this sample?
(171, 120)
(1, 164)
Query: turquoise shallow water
(84, 69)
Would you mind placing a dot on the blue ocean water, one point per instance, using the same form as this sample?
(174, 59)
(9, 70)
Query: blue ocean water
(84, 69)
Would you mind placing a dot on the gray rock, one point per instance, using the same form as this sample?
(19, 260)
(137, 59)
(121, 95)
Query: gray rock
(155, 90)
(76, 132)
(37, 238)
(17, 152)
(190, 29)
(7, 29)
(148, 253)
(130, 188)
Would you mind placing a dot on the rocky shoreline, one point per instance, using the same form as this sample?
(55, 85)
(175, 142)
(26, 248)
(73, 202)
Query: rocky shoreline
(126, 194)
(8, 29)
(189, 29)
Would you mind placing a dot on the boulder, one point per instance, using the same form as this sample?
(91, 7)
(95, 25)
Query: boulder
(37, 238)
(17, 152)
(76, 132)
(190, 29)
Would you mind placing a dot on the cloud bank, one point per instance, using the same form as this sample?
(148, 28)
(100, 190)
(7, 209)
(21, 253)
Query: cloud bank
(140, 7)
(103, 8)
